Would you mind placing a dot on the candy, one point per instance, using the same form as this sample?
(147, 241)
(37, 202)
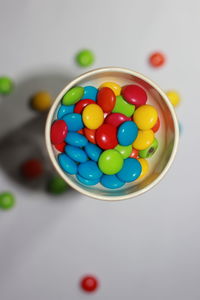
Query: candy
(145, 117)
(90, 135)
(93, 151)
(6, 85)
(64, 110)
(60, 147)
(113, 86)
(127, 133)
(85, 58)
(106, 136)
(145, 167)
(148, 152)
(73, 121)
(110, 162)
(57, 185)
(106, 99)
(81, 104)
(111, 181)
(174, 97)
(67, 164)
(90, 92)
(134, 153)
(123, 107)
(76, 139)
(134, 94)
(89, 283)
(73, 95)
(156, 127)
(32, 168)
(124, 150)
(58, 132)
(87, 181)
(130, 171)
(157, 59)
(7, 200)
(144, 139)
(93, 116)
(41, 101)
(89, 170)
(116, 119)
(76, 153)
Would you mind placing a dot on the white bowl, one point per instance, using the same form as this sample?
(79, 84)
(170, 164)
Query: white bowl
(168, 135)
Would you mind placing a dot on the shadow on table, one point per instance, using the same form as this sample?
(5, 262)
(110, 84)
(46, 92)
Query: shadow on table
(23, 129)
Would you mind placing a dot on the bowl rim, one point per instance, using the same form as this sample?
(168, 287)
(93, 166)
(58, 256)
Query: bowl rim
(51, 115)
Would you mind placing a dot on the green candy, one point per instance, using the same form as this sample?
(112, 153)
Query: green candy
(73, 95)
(110, 162)
(7, 200)
(123, 107)
(57, 185)
(148, 152)
(85, 58)
(6, 85)
(124, 150)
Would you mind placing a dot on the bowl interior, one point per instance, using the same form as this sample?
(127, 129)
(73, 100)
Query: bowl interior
(167, 134)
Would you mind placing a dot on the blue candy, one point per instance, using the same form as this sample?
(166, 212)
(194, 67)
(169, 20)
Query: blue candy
(74, 121)
(127, 133)
(93, 151)
(87, 181)
(76, 139)
(76, 153)
(64, 110)
(111, 181)
(130, 171)
(67, 164)
(90, 92)
(89, 170)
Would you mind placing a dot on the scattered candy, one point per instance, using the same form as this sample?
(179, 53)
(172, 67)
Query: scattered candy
(7, 200)
(157, 59)
(6, 85)
(32, 169)
(85, 58)
(174, 97)
(57, 185)
(41, 101)
(89, 284)
(102, 138)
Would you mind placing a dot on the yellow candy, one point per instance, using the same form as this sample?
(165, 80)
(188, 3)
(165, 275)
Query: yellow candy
(145, 167)
(93, 116)
(144, 139)
(113, 86)
(41, 101)
(174, 97)
(145, 117)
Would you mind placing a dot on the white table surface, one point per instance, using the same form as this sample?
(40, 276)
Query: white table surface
(143, 248)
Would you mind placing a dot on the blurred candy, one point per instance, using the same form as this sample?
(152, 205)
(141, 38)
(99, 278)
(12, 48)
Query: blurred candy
(156, 127)
(56, 185)
(93, 151)
(144, 139)
(67, 164)
(6, 85)
(58, 132)
(134, 153)
(89, 170)
(64, 110)
(32, 168)
(148, 152)
(123, 107)
(157, 59)
(41, 101)
(85, 58)
(73, 121)
(7, 200)
(110, 162)
(174, 97)
(130, 171)
(90, 135)
(106, 99)
(145, 117)
(73, 95)
(87, 181)
(60, 147)
(93, 116)
(111, 181)
(124, 150)
(89, 283)
(134, 94)
(76, 139)
(145, 167)
(76, 153)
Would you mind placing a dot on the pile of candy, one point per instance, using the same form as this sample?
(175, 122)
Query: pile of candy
(105, 135)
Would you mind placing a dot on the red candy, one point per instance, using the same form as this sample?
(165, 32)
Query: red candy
(134, 94)
(106, 99)
(90, 135)
(116, 119)
(156, 126)
(106, 136)
(81, 131)
(89, 284)
(82, 104)
(157, 59)
(134, 153)
(58, 132)
(60, 147)
(32, 168)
